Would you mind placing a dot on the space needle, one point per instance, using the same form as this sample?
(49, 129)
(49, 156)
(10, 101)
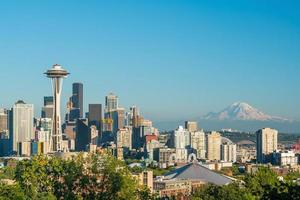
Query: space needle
(57, 74)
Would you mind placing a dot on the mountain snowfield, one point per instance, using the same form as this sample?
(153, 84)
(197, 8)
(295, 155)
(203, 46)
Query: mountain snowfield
(244, 112)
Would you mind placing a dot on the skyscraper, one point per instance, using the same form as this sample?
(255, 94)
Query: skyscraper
(77, 99)
(111, 102)
(82, 138)
(213, 146)
(21, 124)
(181, 138)
(135, 116)
(114, 117)
(95, 115)
(191, 126)
(118, 117)
(47, 110)
(107, 123)
(198, 143)
(56, 73)
(228, 152)
(3, 121)
(124, 138)
(85, 135)
(266, 144)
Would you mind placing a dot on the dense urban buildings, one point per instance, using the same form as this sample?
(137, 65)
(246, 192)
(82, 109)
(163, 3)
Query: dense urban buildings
(189, 154)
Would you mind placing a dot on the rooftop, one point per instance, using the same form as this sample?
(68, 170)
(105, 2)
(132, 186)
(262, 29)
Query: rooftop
(194, 171)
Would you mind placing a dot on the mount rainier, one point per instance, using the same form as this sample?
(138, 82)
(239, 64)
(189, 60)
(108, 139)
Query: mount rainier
(244, 112)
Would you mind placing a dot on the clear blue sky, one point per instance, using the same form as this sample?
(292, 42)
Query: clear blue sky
(174, 59)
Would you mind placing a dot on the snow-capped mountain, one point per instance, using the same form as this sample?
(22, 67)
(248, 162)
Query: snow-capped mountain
(242, 111)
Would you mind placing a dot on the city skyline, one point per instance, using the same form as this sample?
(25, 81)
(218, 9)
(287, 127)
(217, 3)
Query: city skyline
(169, 71)
(132, 99)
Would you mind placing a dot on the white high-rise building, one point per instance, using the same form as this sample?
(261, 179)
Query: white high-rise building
(198, 143)
(228, 152)
(181, 141)
(266, 144)
(21, 129)
(181, 138)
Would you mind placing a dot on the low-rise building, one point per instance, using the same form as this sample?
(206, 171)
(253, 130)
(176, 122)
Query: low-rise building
(24, 149)
(285, 158)
(187, 179)
(245, 154)
(172, 188)
(165, 157)
(145, 178)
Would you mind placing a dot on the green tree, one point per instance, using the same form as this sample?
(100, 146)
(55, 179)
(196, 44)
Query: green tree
(92, 176)
(292, 176)
(11, 192)
(144, 193)
(7, 173)
(33, 177)
(262, 182)
(227, 192)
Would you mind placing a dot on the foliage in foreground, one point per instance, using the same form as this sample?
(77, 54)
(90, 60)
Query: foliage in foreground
(263, 185)
(103, 177)
(84, 177)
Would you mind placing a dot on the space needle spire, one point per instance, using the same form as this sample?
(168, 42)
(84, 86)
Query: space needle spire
(56, 74)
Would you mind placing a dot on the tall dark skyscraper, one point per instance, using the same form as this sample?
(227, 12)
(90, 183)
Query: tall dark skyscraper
(83, 136)
(95, 115)
(77, 98)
